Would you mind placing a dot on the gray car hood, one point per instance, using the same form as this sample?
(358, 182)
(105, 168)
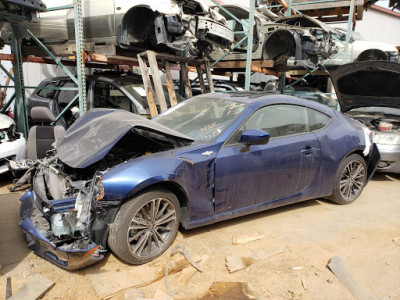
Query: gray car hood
(367, 83)
(93, 135)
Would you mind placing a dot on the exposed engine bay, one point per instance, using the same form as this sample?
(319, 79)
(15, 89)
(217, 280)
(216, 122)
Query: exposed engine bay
(69, 208)
(377, 121)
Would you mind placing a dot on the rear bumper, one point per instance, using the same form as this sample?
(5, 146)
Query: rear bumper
(390, 158)
(70, 259)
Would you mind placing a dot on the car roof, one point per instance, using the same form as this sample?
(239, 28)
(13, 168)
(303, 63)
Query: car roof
(261, 98)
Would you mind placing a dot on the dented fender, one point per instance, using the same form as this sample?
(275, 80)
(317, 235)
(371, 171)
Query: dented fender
(192, 172)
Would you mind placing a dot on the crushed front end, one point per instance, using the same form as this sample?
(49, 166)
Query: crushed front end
(62, 217)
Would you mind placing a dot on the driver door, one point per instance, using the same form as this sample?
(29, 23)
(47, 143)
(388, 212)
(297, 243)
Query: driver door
(266, 173)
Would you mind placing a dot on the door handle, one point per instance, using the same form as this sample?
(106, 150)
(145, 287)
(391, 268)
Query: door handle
(308, 151)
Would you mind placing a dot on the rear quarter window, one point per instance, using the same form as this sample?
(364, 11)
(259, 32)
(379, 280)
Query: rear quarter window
(317, 120)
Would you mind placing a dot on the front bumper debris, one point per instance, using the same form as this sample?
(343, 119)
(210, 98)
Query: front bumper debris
(62, 255)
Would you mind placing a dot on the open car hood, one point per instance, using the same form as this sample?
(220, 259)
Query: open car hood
(367, 83)
(93, 135)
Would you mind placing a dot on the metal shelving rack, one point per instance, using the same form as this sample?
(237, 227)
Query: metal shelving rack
(15, 43)
(17, 59)
(249, 35)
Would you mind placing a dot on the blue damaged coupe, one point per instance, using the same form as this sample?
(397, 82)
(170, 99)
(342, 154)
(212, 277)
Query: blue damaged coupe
(123, 183)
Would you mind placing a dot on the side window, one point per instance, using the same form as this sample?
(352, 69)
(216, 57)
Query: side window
(317, 119)
(278, 120)
(109, 96)
(64, 97)
(49, 94)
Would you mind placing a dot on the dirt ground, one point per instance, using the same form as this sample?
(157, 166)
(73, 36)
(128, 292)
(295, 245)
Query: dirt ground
(299, 240)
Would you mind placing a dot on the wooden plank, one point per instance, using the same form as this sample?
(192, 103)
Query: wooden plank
(345, 3)
(34, 289)
(201, 79)
(333, 18)
(209, 77)
(263, 70)
(185, 79)
(241, 64)
(148, 87)
(170, 84)
(304, 72)
(162, 56)
(155, 72)
(325, 12)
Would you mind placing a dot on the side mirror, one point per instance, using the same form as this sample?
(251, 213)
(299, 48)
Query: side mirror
(253, 137)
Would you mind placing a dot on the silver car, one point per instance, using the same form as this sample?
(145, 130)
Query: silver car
(279, 38)
(369, 91)
(161, 25)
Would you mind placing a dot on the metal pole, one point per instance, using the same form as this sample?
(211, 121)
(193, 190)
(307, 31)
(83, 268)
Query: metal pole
(48, 52)
(20, 113)
(249, 45)
(80, 64)
(349, 22)
(289, 10)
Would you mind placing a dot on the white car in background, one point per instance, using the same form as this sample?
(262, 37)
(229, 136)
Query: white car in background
(361, 50)
(12, 143)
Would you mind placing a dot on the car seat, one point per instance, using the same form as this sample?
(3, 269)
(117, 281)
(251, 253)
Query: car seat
(42, 136)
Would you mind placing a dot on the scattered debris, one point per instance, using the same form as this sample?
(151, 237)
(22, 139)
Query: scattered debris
(235, 262)
(316, 273)
(239, 261)
(329, 280)
(243, 239)
(160, 295)
(339, 269)
(8, 288)
(35, 289)
(188, 273)
(133, 293)
(303, 282)
(109, 283)
(292, 293)
(179, 249)
(396, 241)
(230, 290)
(297, 268)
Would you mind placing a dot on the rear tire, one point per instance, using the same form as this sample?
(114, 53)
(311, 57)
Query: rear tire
(350, 180)
(145, 226)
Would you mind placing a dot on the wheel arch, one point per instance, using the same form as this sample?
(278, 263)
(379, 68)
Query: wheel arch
(363, 56)
(173, 187)
(272, 48)
(142, 15)
(371, 160)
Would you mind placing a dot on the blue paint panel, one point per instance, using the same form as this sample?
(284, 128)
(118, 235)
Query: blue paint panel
(222, 182)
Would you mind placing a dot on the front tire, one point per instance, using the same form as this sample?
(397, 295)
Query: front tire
(350, 180)
(145, 226)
